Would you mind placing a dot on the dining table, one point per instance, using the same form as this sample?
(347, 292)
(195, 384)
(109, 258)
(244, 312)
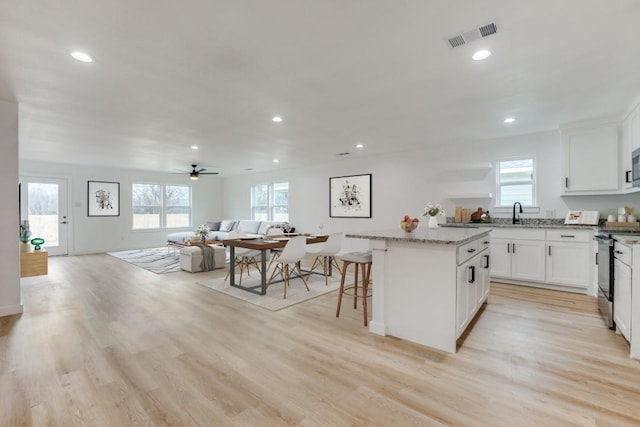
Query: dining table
(263, 245)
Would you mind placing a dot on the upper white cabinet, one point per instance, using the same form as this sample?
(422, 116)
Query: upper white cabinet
(591, 159)
(630, 142)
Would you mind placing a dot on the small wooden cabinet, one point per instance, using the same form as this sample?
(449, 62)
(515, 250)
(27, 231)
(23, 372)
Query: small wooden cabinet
(33, 263)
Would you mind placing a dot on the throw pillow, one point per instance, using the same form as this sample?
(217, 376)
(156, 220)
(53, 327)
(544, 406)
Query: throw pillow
(227, 225)
(264, 227)
(214, 225)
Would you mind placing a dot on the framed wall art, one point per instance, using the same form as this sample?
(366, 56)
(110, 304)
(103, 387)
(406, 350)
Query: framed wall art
(103, 198)
(350, 196)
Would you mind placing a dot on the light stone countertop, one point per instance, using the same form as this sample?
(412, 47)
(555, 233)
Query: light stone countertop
(440, 235)
(545, 226)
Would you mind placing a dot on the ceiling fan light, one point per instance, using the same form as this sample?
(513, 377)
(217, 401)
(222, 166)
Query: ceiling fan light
(193, 176)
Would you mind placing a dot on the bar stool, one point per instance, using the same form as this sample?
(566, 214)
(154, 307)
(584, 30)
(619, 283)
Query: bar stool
(364, 261)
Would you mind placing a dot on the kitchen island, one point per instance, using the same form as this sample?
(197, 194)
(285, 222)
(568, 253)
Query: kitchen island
(428, 285)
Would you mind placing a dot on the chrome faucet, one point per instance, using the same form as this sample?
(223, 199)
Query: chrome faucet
(516, 219)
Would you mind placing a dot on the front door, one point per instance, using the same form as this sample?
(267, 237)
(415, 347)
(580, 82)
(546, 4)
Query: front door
(43, 202)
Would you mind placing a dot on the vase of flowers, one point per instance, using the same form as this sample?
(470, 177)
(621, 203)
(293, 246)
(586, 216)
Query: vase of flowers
(431, 211)
(203, 232)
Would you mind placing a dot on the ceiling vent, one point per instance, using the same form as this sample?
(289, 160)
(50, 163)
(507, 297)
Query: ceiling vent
(472, 35)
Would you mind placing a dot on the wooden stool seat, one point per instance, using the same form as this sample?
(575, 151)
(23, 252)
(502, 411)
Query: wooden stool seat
(364, 261)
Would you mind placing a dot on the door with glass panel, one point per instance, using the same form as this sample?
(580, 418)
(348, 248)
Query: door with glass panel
(43, 202)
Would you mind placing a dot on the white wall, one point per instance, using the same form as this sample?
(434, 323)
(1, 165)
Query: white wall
(10, 302)
(404, 182)
(103, 234)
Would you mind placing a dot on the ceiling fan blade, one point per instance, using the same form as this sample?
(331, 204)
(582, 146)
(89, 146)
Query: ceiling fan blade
(209, 173)
(201, 170)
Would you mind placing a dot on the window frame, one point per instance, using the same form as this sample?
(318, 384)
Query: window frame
(163, 211)
(532, 181)
(270, 207)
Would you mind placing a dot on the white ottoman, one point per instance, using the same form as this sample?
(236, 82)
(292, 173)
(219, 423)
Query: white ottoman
(191, 258)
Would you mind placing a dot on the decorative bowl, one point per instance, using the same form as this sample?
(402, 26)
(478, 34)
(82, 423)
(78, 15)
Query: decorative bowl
(409, 226)
(37, 242)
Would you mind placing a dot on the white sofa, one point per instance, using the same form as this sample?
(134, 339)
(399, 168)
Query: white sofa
(220, 230)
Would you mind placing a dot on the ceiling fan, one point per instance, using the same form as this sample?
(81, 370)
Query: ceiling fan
(195, 173)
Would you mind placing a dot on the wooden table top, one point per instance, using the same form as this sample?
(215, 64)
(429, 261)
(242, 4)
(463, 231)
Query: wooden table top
(270, 242)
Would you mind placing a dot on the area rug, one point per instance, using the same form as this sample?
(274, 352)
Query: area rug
(274, 300)
(156, 260)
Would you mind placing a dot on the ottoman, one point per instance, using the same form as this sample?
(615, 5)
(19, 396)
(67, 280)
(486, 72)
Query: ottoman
(191, 258)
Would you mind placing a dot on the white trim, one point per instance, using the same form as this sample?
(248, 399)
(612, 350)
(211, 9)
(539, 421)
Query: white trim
(9, 310)
(509, 209)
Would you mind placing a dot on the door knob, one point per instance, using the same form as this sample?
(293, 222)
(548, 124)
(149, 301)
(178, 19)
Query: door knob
(63, 222)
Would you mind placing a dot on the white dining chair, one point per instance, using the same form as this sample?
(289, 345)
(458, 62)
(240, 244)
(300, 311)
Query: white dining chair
(325, 255)
(275, 253)
(289, 261)
(243, 257)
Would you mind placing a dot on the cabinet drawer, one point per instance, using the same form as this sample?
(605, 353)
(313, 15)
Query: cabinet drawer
(569, 235)
(518, 234)
(483, 243)
(622, 252)
(466, 251)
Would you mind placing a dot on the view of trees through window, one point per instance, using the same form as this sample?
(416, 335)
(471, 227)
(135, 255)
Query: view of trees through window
(516, 182)
(43, 211)
(158, 206)
(270, 202)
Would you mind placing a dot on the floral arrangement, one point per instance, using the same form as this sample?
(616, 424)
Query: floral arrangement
(433, 210)
(203, 231)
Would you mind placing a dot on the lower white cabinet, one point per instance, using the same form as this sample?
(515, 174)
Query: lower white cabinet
(553, 257)
(520, 257)
(622, 291)
(472, 288)
(569, 258)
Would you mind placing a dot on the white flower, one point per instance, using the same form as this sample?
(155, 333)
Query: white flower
(202, 231)
(433, 209)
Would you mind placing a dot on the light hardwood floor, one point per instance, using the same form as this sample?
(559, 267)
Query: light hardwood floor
(104, 343)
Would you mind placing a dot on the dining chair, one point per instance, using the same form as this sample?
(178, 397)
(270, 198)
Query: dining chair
(243, 257)
(325, 255)
(289, 261)
(275, 253)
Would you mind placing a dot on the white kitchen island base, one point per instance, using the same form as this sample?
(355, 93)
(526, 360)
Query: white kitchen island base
(428, 285)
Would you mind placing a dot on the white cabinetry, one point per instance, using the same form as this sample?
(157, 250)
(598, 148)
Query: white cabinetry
(630, 142)
(569, 258)
(622, 273)
(518, 254)
(586, 172)
(472, 282)
(557, 259)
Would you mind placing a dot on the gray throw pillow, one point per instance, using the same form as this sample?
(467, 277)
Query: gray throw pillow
(227, 225)
(214, 225)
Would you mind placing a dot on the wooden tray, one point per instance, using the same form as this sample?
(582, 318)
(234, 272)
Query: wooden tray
(623, 224)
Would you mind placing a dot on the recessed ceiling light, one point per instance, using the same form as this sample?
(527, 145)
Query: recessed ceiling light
(276, 161)
(194, 147)
(81, 56)
(481, 54)
(359, 146)
(276, 119)
(510, 120)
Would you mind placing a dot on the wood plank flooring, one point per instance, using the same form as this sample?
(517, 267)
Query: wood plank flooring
(104, 343)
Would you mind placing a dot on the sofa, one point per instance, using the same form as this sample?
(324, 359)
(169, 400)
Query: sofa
(220, 230)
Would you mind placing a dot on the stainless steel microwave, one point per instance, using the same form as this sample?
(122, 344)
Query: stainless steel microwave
(635, 167)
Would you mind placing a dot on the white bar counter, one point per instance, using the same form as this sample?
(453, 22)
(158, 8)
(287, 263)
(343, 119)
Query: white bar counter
(428, 285)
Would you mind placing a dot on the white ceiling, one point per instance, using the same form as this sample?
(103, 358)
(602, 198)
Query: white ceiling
(170, 74)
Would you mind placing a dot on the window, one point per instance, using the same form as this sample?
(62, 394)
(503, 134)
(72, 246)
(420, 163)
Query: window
(270, 202)
(160, 206)
(516, 182)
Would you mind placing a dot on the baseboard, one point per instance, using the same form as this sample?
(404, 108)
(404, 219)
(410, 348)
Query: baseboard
(9, 310)
(377, 328)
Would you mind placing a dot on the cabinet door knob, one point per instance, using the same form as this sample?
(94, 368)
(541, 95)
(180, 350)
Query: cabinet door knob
(473, 273)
